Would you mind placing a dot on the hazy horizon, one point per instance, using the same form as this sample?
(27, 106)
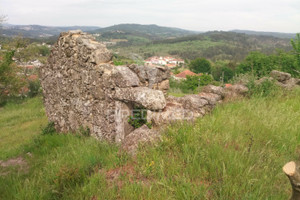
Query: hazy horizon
(267, 16)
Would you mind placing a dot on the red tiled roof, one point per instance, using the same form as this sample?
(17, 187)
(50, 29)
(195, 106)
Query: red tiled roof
(228, 85)
(186, 73)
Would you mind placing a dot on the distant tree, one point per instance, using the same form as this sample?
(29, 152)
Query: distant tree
(257, 63)
(287, 62)
(223, 69)
(10, 82)
(200, 65)
(223, 72)
(28, 52)
(228, 74)
(296, 46)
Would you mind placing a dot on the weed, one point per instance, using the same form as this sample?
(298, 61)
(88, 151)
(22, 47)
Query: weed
(49, 128)
(66, 178)
(34, 88)
(251, 141)
(84, 131)
(138, 118)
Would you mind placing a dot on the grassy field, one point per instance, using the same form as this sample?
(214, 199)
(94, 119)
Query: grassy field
(237, 152)
(19, 123)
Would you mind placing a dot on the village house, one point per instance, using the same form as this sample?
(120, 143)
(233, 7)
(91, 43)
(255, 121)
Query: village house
(166, 61)
(182, 75)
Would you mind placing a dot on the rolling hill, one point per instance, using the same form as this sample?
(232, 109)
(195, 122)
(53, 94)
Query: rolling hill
(274, 34)
(37, 31)
(152, 32)
(216, 45)
(149, 40)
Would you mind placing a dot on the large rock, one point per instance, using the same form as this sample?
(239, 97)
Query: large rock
(211, 97)
(238, 89)
(151, 75)
(281, 79)
(280, 76)
(187, 108)
(163, 86)
(173, 111)
(148, 98)
(290, 83)
(140, 136)
(124, 77)
(233, 92)
(214, 89)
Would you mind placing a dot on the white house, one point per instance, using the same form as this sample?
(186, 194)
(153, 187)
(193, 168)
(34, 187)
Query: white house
(167, 61)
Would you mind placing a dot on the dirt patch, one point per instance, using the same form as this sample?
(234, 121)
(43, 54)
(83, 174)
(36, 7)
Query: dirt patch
(19, 164)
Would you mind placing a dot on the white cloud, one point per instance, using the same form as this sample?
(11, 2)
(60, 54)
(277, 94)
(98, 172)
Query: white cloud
(202, 15)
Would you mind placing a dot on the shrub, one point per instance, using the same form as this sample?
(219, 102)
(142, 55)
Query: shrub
(34, 88)
(263, 89)
(139, 118)
(200, 65)
(223, 70)
(10, 82)
(49, 128)
(243, 78)
(84, 131)
(191, 83)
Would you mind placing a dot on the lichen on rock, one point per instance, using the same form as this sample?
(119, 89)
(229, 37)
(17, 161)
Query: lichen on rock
(81, 87)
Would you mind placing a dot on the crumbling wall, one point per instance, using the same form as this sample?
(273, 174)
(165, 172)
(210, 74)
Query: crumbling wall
(82, 88)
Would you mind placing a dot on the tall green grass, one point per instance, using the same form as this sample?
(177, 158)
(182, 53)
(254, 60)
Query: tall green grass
(236, 152)
(19, 122)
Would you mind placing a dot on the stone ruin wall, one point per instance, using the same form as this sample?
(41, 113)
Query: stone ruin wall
(81, 87)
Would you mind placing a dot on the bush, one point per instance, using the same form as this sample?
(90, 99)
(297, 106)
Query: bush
(200, 65)
(34, 88)
(223, 69)
(139, 118)
(49, 128)
(243, 78)
(191, 83)
(10, 82)
(257, 63)
(263, 89)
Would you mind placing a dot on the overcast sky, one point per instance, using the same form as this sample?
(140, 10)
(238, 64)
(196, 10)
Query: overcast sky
(199, 15)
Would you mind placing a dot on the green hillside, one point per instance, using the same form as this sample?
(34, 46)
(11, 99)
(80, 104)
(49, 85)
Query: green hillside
(149, 40)
(212, 45)
(152, 31)
(274, 34)
(237, 152)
